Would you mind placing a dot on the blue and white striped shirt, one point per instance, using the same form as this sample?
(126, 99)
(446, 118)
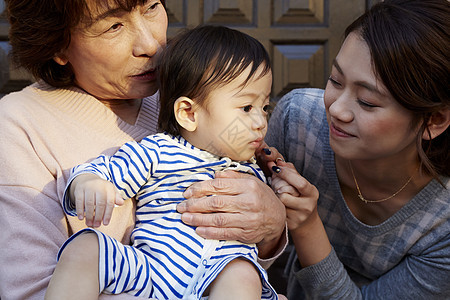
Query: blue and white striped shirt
(173, 261)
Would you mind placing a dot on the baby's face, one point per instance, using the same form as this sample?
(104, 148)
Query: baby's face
(233, 122)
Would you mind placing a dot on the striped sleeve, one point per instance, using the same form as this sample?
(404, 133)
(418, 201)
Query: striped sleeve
(128, 169)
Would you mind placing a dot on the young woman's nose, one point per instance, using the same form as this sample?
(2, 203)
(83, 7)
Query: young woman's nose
(340, 108)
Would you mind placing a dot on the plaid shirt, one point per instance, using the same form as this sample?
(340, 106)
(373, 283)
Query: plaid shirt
(405, 257)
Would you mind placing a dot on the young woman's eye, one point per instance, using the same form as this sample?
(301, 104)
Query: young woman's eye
(247, 108)
(366, 104)
(334, 82)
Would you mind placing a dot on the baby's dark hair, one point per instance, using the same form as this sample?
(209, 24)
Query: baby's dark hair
(198, 60)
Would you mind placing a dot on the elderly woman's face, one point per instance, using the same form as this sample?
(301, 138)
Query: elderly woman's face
(115, 57)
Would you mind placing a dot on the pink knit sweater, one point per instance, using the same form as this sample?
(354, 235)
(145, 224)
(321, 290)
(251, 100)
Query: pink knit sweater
(44, 132)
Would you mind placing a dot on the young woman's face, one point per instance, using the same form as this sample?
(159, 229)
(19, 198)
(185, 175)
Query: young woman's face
(365, 121)
(233, 121)
(115, 57)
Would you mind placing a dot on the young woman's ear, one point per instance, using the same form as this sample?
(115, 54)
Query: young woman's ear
(185, 113)
(437, 124)
(61, 59)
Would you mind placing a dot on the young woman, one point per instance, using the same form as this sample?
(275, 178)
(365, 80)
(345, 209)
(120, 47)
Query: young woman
(375, 144)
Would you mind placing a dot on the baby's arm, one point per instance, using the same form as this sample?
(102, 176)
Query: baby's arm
(94, 198)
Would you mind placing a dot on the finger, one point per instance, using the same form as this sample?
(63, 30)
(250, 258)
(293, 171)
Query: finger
(261, 148)
(266, 158)
(268, 153)
(79, 205)
(279, 162)
(291, 176)
(298, 204)
(217, 203)
(221, 220)
(278, 183)
(219, 185)
(225, 227)
(109, 207)
(280, 186)
(100, 206)
(89, 204)
(279, 159)
(119, 200)
(287, 189)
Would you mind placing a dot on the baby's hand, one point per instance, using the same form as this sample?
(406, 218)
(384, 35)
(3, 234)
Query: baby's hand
(280, 186)
(94, 199)
(296, 193)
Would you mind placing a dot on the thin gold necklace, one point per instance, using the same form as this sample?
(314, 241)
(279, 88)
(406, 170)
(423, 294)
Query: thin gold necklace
(379, 200)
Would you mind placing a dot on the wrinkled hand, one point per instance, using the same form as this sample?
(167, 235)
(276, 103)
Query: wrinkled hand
(297, 194)
(94, 199)
(235, 206)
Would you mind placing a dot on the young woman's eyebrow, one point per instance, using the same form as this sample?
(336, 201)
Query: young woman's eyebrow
(336, 65)
(370, 87)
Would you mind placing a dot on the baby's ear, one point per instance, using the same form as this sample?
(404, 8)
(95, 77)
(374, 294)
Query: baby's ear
(185, 113)
(437, 124)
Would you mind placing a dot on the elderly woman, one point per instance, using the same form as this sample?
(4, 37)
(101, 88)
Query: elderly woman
(94, 62)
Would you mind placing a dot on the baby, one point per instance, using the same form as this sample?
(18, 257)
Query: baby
(215, 85)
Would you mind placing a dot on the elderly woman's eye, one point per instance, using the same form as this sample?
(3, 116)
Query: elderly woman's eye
(115, 27)
(153, 6)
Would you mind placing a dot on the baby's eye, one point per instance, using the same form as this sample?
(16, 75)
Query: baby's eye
(247, 108)
(266, 108)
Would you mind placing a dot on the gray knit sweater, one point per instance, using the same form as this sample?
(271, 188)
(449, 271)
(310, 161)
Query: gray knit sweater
(405, 257)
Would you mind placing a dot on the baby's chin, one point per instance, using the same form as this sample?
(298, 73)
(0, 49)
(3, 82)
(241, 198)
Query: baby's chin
(243, 157)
